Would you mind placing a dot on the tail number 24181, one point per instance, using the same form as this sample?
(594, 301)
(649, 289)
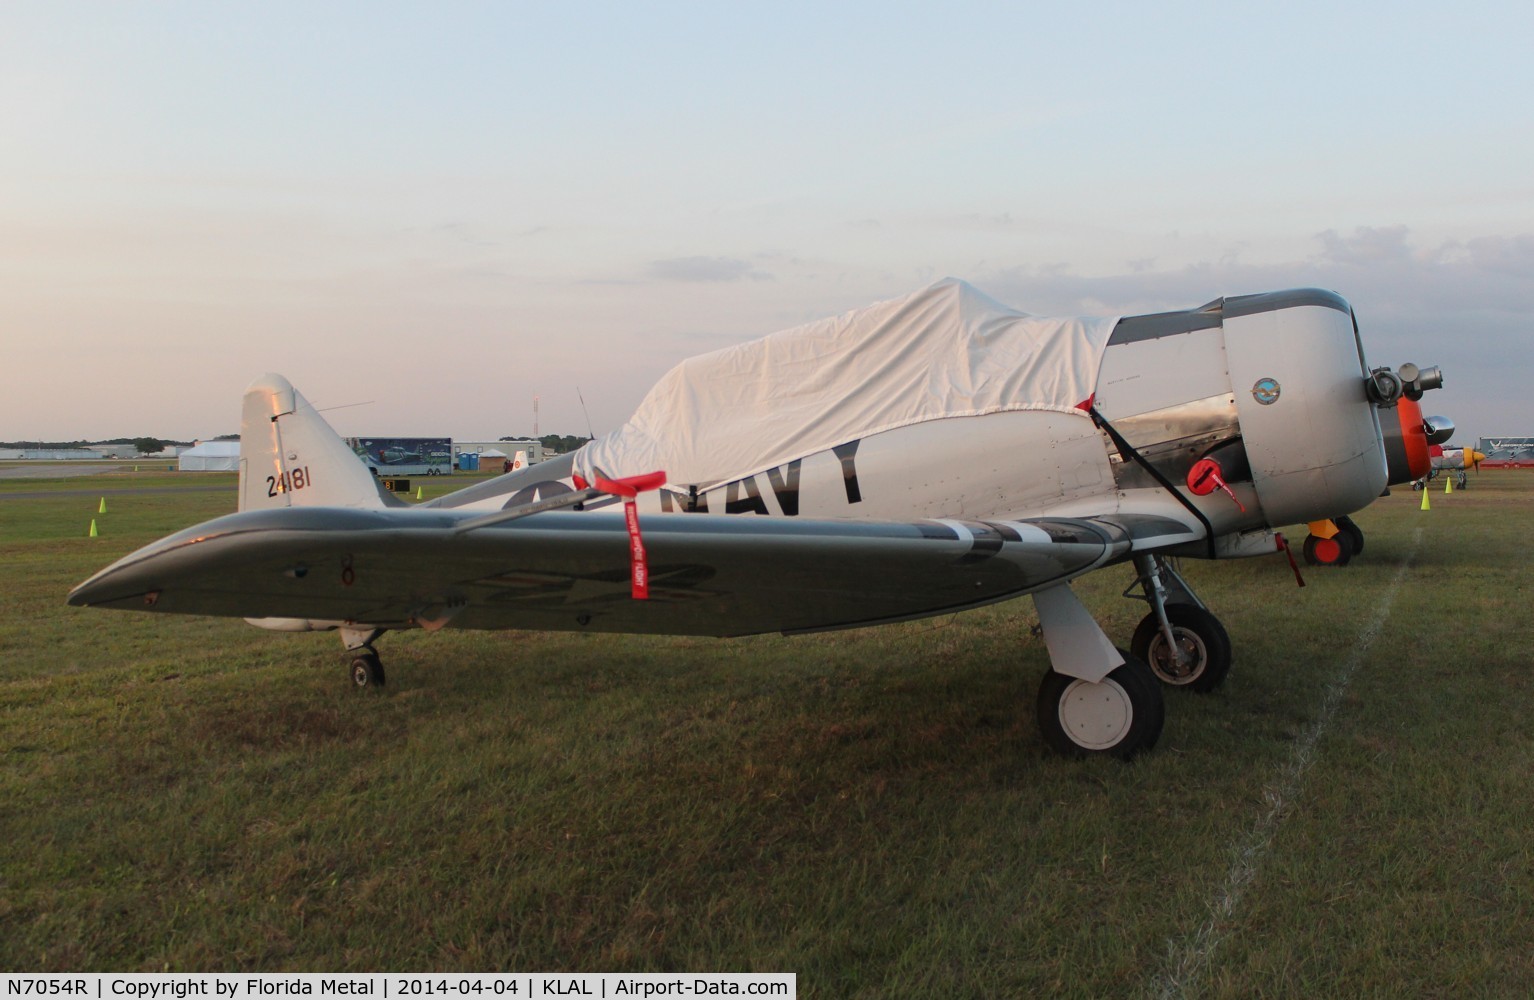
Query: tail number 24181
(297, 479)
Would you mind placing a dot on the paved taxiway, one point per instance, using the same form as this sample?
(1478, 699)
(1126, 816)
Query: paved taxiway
(53, 471)
(60, 471)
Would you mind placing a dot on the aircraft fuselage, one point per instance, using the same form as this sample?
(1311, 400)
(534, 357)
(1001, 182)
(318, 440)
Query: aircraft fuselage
(1270, 386)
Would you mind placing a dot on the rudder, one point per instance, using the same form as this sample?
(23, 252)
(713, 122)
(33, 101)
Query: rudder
(290, 457)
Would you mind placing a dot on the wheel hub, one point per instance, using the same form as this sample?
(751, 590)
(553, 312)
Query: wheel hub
(1182, 662)
(1096, 716)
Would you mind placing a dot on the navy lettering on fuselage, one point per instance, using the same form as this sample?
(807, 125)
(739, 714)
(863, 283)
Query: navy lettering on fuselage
(744, 495)
(785, 485)
(692, 502)
(847, 453)
(751, 503)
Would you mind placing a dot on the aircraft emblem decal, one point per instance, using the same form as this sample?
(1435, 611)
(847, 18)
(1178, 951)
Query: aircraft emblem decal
(1266, 391)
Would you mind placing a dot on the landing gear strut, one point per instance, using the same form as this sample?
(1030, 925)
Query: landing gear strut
(1181, 641)
(1117, 716)
(1096, 699)
(1199, 657)
(367, 669)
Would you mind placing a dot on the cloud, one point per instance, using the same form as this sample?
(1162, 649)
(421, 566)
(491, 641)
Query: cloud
(1367, 245)
(705, 269)
(1379, 265)
(1466, 305)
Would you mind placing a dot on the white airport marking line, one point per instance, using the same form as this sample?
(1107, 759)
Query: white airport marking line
(1186, 965)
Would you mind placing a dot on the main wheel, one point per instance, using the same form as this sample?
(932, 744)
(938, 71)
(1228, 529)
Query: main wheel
(1354, 532)
(1119, 715)
(1202, 657)
(1333, 551)
(367, 670)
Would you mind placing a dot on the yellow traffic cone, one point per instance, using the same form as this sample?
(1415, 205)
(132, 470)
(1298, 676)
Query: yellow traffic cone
(418, 493)
(93, 527)
(103, 508)
(1425, 504)
(1448, 484)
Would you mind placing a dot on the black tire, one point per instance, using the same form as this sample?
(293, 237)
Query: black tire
(1119, 716)
(1197, 633)
(1346, 526)
(1334, 551)
(367, 670)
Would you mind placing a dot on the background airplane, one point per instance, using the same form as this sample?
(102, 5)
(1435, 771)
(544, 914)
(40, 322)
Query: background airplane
(917, 457)
(1453, 463)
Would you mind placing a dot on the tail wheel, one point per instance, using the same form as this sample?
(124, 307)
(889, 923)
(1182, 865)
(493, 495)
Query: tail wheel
(1333, 551)
(1118, 716)
(1202, 656)
(367, 670)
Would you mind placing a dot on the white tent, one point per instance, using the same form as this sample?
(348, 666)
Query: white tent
(211, 456)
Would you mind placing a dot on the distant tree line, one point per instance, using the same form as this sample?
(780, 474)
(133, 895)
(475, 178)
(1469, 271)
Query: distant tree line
(145, 445)
(556, 443)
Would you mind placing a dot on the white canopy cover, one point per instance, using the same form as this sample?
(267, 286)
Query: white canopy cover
(947, 350)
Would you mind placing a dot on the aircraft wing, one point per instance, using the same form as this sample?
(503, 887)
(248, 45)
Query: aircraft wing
(716, 575)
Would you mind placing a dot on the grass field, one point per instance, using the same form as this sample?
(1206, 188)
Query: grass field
(1348, 816)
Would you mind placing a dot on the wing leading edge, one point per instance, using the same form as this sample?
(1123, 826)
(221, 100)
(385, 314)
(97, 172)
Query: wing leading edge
(709, 574)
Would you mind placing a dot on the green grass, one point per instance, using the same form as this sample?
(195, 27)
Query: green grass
(873, 810)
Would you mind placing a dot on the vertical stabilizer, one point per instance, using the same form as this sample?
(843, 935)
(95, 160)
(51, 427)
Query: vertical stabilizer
(290, 457)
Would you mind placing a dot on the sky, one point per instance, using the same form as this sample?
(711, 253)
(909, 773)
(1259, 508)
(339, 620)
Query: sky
(429, 215)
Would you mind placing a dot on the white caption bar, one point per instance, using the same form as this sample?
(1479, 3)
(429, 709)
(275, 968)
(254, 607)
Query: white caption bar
(395, 986)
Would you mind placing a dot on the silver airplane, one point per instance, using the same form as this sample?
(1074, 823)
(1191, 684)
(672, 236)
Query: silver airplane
(915, 458)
